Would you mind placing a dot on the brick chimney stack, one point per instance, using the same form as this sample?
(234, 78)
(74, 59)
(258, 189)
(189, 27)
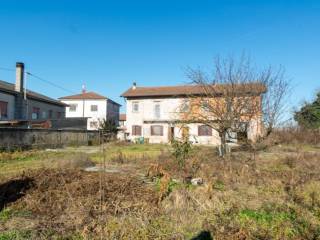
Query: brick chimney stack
(19, 77)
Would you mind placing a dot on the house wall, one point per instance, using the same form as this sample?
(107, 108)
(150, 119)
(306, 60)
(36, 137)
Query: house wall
(44, 109)
(11, 102)
(113, 111)
(94, 117)
(170, 111)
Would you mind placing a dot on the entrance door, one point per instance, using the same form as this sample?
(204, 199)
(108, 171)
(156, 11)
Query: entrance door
(171, 133)
(185, 133)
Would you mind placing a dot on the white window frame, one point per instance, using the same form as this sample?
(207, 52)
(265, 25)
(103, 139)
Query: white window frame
(73, 105)
(94, 105)
(133, 107)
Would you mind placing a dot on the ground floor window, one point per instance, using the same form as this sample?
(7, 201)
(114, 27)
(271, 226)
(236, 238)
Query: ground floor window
(136, 130)
(3, 109)
(157, 130)
(94, 124)
(35, 113)
(204, 130)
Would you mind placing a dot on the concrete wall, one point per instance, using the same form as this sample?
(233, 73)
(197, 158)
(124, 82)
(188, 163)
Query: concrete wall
(13, 138)
(10, 99)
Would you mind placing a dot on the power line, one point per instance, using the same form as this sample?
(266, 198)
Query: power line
(7, 69)
(39, 78)
(49, 82)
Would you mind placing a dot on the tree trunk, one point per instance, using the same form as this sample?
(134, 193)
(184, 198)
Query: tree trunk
(223, 145)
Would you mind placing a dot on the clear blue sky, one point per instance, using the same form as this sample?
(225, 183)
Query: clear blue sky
(109, 44)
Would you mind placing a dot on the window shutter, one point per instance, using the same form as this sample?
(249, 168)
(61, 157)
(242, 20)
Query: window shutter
(136, 130)
(204, 130)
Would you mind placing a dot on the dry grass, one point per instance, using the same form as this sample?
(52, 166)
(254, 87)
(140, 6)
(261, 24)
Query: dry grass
(274, 194)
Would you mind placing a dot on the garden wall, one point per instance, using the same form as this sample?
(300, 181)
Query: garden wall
(17, 138)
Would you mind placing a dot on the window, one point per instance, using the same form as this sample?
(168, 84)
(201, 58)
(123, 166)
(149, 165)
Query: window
(204, 130)
(44, 114)
(136, 130)
(35, 113)
(94, 124)
(205, 105)
(50, 113)
(157, 110)
(3, 109)
(73, 107)
(59, 114)
(157, 130)
(94, 108)
(185, 106)
(135, 107)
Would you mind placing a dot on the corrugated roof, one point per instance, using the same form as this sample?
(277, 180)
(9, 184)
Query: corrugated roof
(183, 90)
(9, 88)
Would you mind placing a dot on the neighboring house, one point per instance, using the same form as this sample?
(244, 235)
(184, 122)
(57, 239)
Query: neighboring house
(122, 129)
(16, 103)
(92, 106)
(154, 113)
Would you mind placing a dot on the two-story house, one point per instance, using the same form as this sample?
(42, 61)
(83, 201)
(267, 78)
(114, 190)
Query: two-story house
(19, 103)
(93, 106)
(154, 113)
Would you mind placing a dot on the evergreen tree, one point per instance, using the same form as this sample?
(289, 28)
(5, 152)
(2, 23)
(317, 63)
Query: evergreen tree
(309, 114)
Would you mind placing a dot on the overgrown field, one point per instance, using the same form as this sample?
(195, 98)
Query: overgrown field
(142, 192)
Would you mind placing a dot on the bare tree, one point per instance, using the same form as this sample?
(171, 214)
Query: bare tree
(236, 98)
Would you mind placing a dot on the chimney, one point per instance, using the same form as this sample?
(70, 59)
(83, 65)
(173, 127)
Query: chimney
(19, 77)
(134, 85)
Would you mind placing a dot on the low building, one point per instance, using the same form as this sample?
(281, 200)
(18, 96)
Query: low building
(20, 104)
(122, 129)
(93, 106)
(154, 113)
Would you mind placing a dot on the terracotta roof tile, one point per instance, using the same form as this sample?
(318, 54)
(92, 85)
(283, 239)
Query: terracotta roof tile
(172, 91)
(86, 95)
(123, 117)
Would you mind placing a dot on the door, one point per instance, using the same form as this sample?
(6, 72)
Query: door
(171, 134)
(185, 133)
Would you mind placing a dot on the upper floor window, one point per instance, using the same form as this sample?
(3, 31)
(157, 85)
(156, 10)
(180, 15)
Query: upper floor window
(204, 130)
(35, 113)
(94, 108)
(73, 107)
(44, 114)
(135, 107)
(205, 105)
(157, 110)
(157, 130)
(3, 109)
(185, 106)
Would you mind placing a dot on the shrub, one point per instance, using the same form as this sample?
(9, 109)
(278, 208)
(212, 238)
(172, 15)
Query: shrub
(181, 151)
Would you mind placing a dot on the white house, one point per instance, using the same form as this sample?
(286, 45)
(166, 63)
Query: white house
(153, 113)
(92, 106)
